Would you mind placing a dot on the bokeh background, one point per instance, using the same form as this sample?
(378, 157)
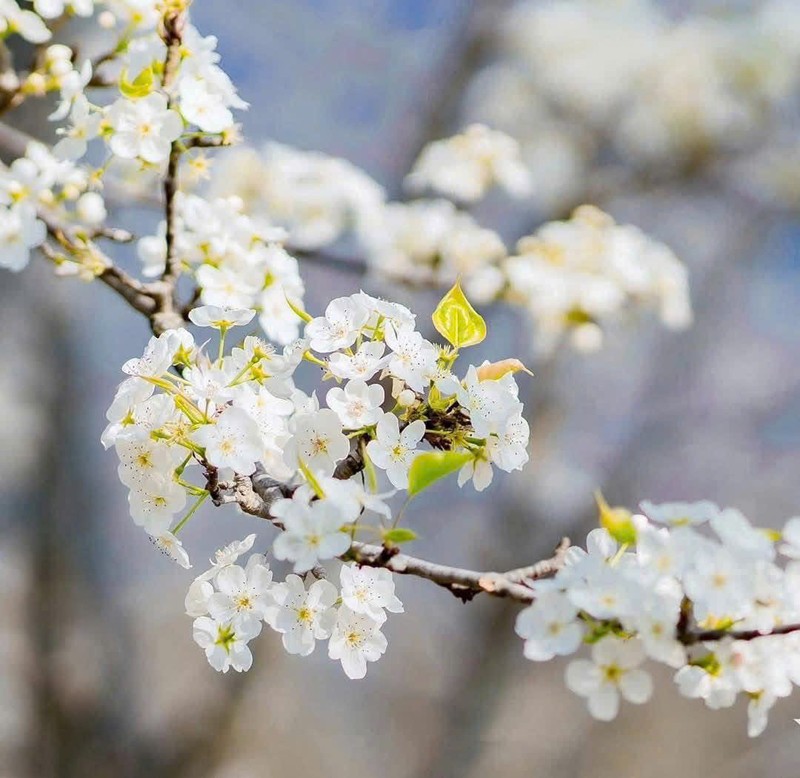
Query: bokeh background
(98, 672)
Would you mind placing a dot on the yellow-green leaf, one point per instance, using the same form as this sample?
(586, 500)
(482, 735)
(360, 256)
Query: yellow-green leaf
(398, 535)
(141, 86)
(297, 309)
(618, 521)
(310, 478)
(456, 320)
(432, 466)
(494, 371)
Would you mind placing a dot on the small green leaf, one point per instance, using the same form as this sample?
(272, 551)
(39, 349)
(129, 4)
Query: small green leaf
(297, 310)
(432, 466)
(398, 535)
(456, 320)
(141, 86)
(618, 521)
(311, 478)
(369, 469)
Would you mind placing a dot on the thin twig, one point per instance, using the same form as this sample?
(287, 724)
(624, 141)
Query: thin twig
(689, 638)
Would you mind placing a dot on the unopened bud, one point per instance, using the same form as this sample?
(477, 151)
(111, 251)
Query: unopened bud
(492, 371)
(406, 398)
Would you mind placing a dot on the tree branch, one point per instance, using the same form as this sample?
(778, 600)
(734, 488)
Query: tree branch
(464, 584)
(690, 638)
(172, 35)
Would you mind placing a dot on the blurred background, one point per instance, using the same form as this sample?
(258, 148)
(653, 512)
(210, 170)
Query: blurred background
(679, 117)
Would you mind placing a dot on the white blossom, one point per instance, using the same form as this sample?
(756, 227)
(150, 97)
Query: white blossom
(304, 616)
(393, 449)
(356, 640)
(612, 672)
(143, 128)
(369, 591)
(357, 405)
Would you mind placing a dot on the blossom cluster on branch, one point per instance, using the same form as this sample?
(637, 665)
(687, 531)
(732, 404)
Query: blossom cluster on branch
(223, 420)
(240, 414)
(717, 607)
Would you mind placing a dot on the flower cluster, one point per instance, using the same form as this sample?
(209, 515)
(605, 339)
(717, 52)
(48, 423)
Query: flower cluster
(432, 242)
(240, 413)
(237, 261)
(582, 82)
(230, 603)
(656, 586)
(575, 276)
(41, 184)
(467, 165)
(316, 197)
(150, 114)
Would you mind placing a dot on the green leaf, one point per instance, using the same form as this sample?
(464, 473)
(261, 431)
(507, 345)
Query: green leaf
(432, 466)
(457, 321)
(369, 469)
(297, 310)
(618, 521)
(141, 86)
(311, 478)
(398, 535)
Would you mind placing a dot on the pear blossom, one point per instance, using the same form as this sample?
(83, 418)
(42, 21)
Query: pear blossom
(317, 441)
(312, 532)
(20, 233)
(169, 545)
(492, 405)
(52, 9)
(232, 441)
(141, 458)
(550, 627)
(393, 449)
(84, 126)
(612, 672)
(156, 360)
(143, 128)
(369, 591)
(467, 165)
(196, 601)
(220, 318)
(676, 514)
(304, 616)
(156, 502)
(413, 358)
(26, 23)
(227, 555)
(339, 328)
(357, 405)
(203, 108)
(225, 644)
(244, 594)
(364, 364)
(356, 640)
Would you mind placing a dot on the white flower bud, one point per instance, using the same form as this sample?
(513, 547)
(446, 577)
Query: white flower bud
(587, 338)
(107, 20)
(406, 398)
(91, 209)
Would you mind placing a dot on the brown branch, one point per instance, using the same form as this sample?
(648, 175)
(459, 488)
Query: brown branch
(465, 584)
(134, 292)
(172, 35)
(543, 569)
(206, 142)
(690, 638)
